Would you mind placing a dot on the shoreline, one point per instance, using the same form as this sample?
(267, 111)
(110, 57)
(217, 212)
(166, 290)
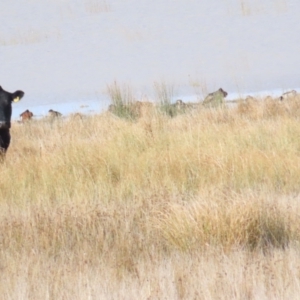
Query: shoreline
(99, 104)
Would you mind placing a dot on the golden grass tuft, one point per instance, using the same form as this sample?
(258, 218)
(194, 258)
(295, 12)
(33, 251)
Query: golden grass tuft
(231, 222)
(202, 205)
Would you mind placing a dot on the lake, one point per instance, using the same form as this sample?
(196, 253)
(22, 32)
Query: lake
(64, 54)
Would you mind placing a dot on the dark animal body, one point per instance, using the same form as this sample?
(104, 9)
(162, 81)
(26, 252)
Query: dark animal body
(215, 99)
(54, 114)
(26, 115)
(6, 100)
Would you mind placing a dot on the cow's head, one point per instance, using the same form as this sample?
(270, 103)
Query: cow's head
(6, 100)
(223, 92)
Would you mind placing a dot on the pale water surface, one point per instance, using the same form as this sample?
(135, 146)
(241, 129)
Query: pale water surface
(64, 53)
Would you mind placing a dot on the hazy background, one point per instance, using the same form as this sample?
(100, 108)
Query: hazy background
(63, 53)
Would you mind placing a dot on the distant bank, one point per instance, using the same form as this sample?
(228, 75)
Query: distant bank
(98, 106)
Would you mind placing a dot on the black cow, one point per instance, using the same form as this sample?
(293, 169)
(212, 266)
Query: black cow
(6, 100)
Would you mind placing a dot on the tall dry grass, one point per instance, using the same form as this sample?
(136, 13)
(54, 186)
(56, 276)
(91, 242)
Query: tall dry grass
(201, 206)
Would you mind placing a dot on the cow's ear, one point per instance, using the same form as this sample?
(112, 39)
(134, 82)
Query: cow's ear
(17, 96)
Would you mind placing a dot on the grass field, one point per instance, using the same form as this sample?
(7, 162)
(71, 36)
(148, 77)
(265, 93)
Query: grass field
(204, 205)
